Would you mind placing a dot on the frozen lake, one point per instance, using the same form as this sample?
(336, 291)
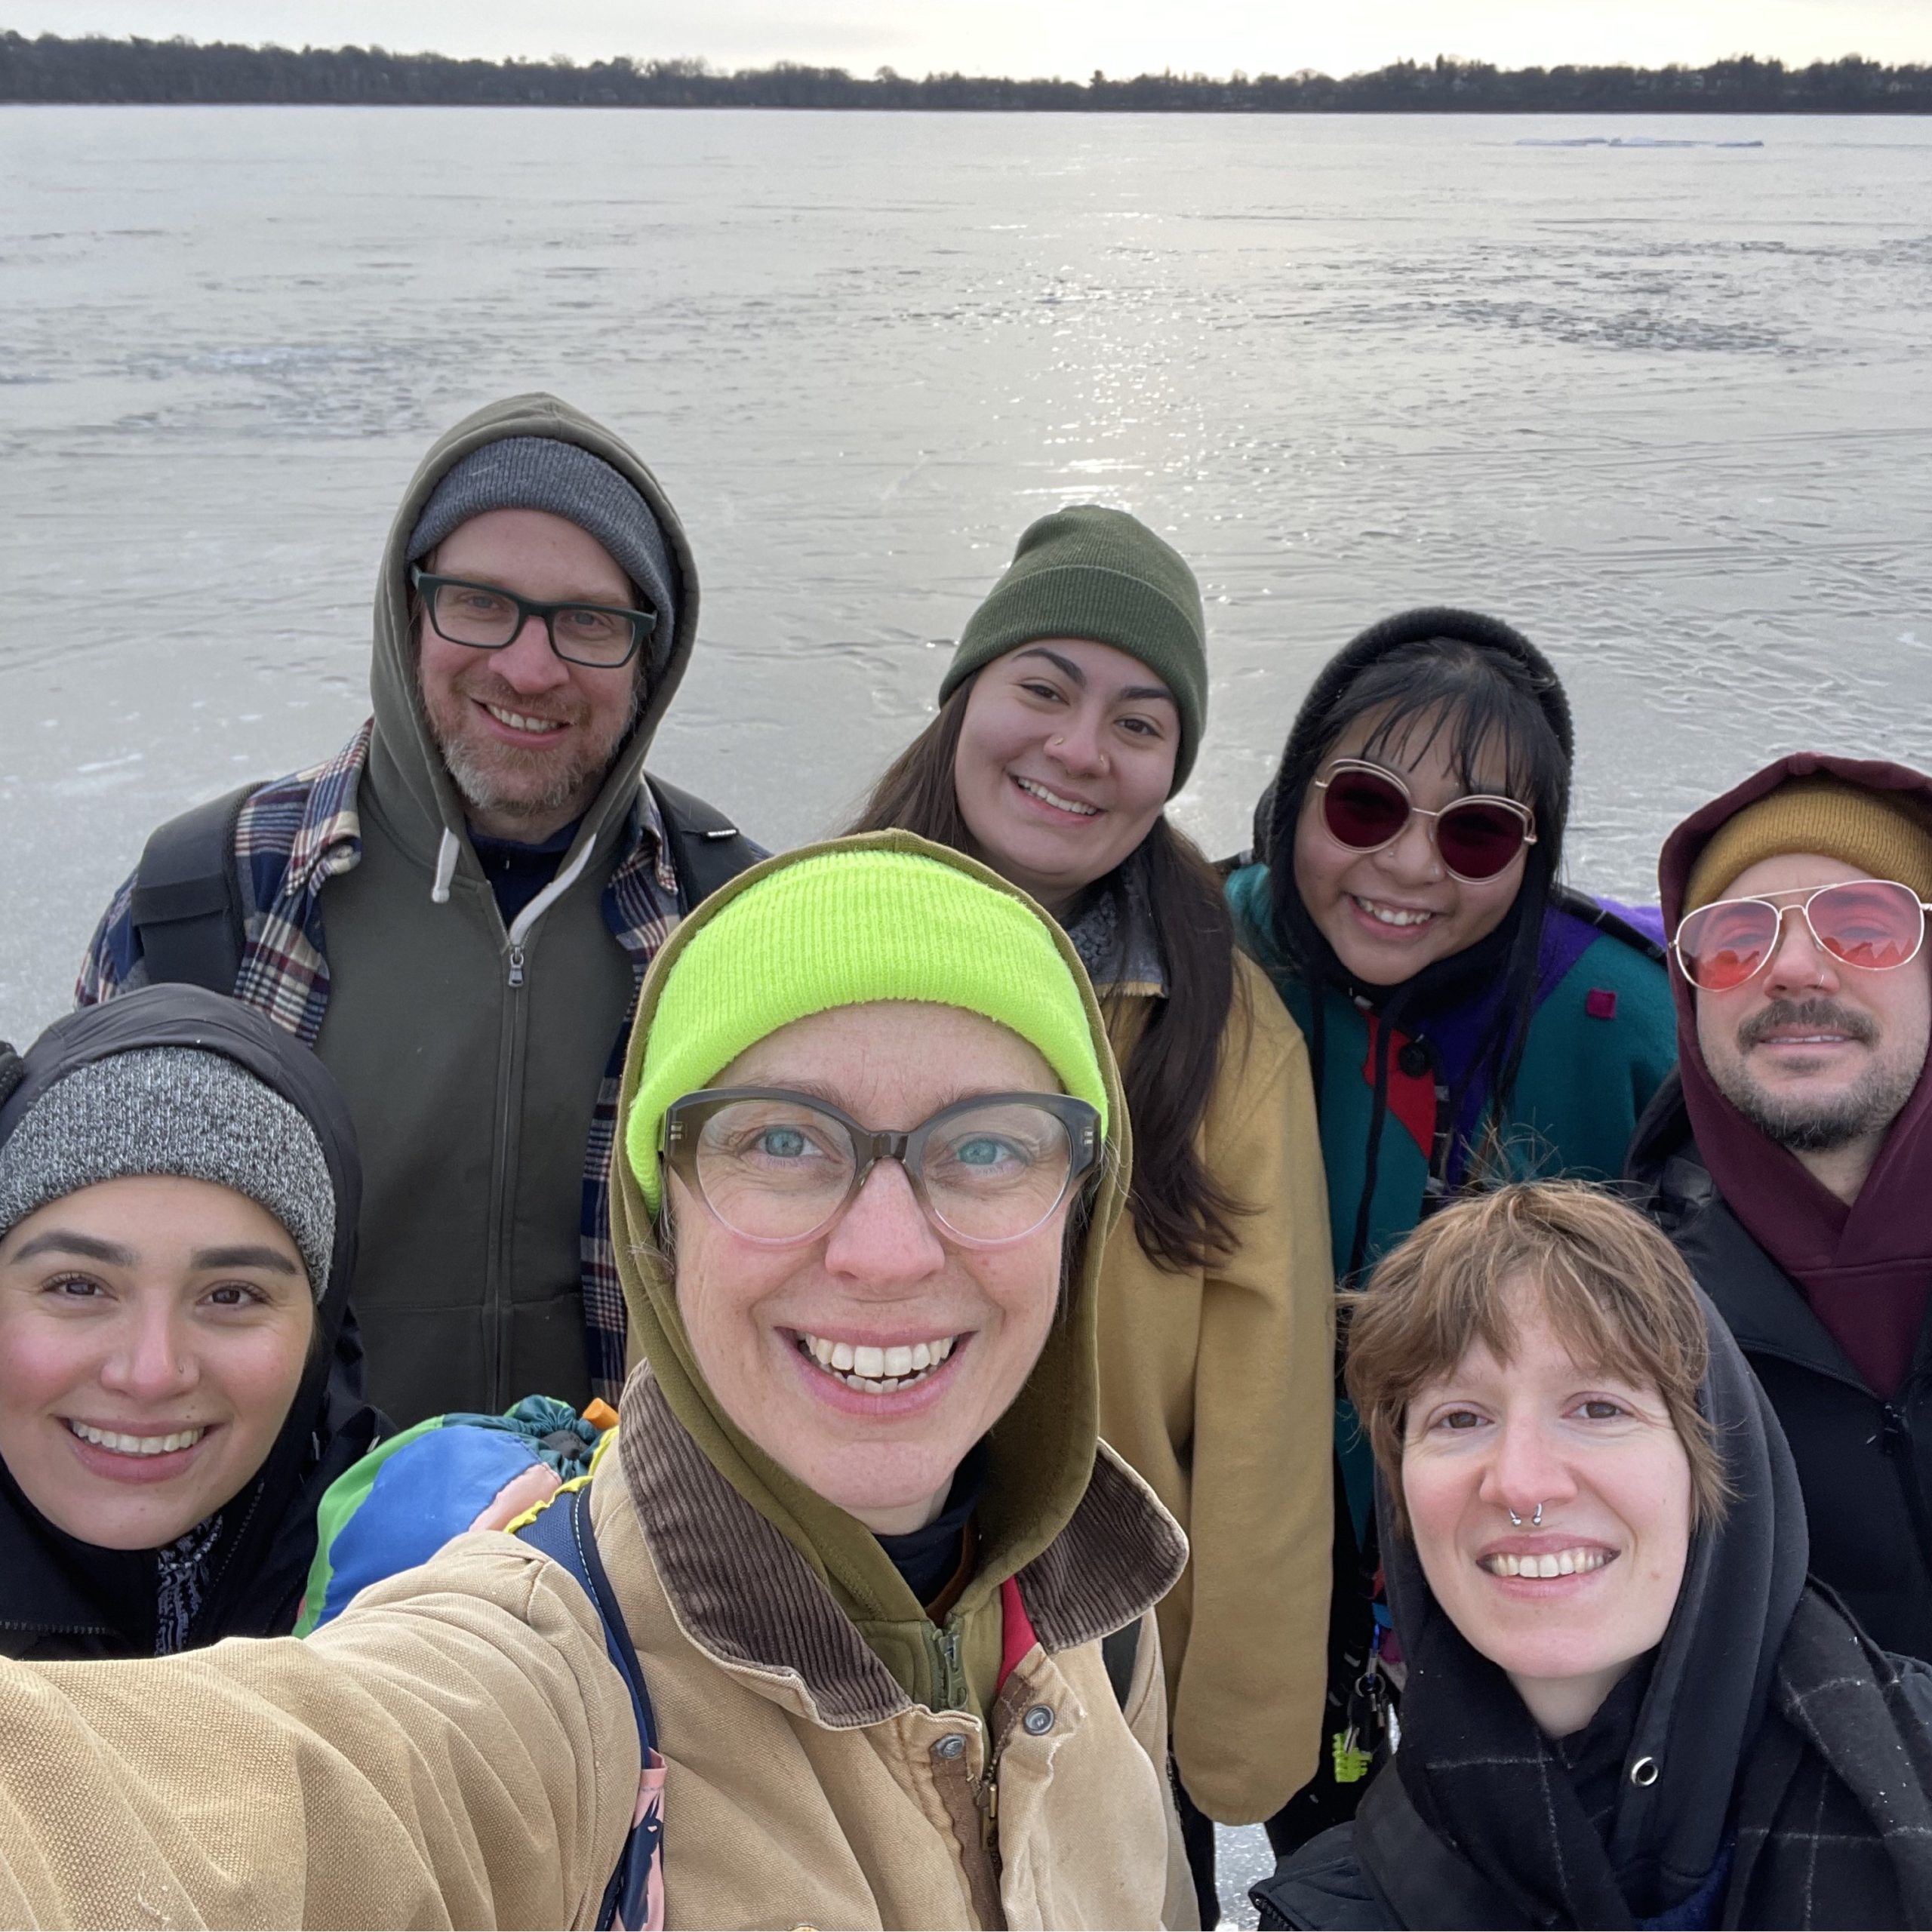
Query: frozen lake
(1669, 410)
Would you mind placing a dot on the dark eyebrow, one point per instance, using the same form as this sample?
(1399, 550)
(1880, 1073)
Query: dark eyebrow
(243, 1257)
(1132, 694)
(66, 1241)
(1064, 664)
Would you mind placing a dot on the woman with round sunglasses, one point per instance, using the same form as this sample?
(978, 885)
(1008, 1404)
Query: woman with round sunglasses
(1791, 1157)
(1469, 1018)
(1069, 717)
(856, 1518)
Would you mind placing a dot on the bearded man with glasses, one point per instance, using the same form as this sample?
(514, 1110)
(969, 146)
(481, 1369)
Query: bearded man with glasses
(1791, 1156)
(456, 909)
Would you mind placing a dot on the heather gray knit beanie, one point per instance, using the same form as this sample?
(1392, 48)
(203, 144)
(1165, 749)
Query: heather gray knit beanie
(541, 473)
(173, 1110)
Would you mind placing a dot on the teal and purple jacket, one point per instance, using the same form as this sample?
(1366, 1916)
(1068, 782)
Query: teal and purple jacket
(1603, 1038)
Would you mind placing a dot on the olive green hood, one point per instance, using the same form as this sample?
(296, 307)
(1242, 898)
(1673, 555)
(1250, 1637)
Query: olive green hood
(406, 767)
(1043, 1449)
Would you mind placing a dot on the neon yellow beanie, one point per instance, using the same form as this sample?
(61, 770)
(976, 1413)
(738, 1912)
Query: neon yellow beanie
(854, 924)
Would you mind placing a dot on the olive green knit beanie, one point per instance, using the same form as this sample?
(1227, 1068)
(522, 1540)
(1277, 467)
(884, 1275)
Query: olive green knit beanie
(1099, 574)
(847, 926)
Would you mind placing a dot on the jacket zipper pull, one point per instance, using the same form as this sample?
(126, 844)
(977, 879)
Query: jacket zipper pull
(516, 965)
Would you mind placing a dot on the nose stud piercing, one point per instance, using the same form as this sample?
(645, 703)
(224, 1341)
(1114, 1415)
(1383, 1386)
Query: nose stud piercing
(1536, 1521)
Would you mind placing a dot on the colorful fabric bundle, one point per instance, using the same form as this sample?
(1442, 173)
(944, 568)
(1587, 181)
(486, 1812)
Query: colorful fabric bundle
(449, 1475)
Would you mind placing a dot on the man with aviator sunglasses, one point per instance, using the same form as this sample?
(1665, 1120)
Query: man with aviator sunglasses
(1791, 1158)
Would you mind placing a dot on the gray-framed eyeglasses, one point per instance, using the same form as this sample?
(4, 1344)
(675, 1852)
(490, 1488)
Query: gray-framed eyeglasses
(486, 617)
(778, 1168)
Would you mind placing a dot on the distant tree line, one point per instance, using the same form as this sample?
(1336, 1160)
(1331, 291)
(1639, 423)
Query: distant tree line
(102, 70)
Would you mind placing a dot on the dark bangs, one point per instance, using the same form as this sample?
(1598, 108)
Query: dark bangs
(1446, 691)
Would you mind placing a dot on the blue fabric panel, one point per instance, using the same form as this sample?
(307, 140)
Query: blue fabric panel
(429, 1490)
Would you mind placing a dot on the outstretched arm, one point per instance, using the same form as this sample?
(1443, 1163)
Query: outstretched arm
(455, 1750)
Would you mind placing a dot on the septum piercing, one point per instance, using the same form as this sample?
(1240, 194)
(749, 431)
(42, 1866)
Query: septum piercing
(1536, 1521)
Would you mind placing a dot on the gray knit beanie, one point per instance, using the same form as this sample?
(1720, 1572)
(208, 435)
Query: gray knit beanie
(540, 473)
(173, 1110)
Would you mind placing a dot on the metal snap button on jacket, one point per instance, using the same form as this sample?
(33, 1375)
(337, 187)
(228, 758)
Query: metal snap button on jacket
(1039, 1720)
(951, 1745)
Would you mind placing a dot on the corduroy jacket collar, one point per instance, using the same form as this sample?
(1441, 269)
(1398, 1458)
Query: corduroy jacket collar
(741, 1590)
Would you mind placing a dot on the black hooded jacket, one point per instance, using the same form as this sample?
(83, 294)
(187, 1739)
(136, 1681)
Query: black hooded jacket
(1865, 1463)
(1772, 1767)
(60, 1597)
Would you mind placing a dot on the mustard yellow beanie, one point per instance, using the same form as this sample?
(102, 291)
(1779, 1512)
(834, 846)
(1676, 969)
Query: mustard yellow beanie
(854, 924)
(1884, 836)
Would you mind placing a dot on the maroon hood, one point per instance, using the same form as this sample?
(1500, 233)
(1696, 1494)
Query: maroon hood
(1866, 1269)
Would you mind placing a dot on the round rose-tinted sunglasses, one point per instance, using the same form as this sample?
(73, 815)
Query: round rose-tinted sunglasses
(1365, 808)
(1872, 924)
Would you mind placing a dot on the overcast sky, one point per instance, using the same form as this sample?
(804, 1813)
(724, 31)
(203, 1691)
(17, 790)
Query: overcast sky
(1030, 37)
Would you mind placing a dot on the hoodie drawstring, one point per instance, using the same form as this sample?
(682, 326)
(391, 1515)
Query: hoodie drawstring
(447, 853)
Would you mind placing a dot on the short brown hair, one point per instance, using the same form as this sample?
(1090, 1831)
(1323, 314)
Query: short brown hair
(1613, 1287)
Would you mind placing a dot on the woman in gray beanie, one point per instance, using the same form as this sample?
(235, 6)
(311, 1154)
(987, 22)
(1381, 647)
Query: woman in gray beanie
(179, 1191)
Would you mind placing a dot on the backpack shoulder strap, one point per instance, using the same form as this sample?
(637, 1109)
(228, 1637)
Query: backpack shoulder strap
(706, 847)
(187, 904)
(635, 1896)
(562, 1531)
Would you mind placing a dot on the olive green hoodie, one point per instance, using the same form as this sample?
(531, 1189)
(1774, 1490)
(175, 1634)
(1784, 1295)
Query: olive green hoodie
(1043, 1449)
(471, 1055)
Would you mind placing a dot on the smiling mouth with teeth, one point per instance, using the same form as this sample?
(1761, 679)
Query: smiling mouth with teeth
(119, 1443)
(1392, 916)
(1035, 789)
(1549, 1563)
(517, 722)
(876, 1371)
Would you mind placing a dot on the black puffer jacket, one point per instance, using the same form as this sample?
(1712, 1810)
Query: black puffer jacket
(1770, 1767)
(60, 1597)
(1865, 1464)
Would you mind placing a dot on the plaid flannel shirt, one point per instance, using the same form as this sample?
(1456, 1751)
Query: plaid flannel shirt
(297, 833)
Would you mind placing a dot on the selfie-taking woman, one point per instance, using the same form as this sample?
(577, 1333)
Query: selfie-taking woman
(178, 1195)
(856, 1519)
(1071, 714)
(1467, 1016)
(1625, 1706)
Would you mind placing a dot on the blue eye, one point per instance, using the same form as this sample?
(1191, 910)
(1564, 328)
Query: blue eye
(983, 1152)
(782, 1143)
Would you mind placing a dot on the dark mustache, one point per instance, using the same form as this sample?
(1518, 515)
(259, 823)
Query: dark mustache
(1822, 1013)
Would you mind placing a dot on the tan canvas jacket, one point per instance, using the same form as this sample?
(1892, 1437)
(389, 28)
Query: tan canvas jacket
(1218, 1385)
(457, 1750)
(805, 1787)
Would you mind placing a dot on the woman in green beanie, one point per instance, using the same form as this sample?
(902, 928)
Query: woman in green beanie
(1071, 714)
(857, 1517)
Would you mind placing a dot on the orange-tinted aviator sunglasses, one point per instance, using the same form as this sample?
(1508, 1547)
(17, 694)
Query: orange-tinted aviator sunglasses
(1872, 924)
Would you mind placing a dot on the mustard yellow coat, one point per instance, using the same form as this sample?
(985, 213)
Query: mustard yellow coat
(1218, 1386)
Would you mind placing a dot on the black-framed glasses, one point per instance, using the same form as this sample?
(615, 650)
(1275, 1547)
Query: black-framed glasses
(486, 617)
(1365, 808)
(778, 1167)
(1872, 924)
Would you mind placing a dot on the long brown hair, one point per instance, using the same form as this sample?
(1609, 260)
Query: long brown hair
(1182, 1216)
